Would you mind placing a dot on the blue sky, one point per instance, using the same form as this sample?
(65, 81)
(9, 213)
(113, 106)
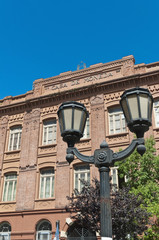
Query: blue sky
(42, 38)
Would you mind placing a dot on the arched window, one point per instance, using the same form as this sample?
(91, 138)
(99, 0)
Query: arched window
(76, 232)
(43, 230)
(5, 231)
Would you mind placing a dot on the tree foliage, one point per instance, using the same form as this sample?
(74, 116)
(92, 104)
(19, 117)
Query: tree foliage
(142, 174)
(127, 215)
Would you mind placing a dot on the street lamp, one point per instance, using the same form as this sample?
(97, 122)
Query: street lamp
(137, 107)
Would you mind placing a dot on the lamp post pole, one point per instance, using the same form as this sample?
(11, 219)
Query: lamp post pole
(105, 208)
(137, 107)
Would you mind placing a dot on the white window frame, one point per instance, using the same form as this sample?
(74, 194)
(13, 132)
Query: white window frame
(41, 234)
(156, 112)
(49, 131)
(15, 138)
(86, 132)
(114, 127)
(12, 181)
(80, 170)
(43, 180)
(114, 178)
(5, 235)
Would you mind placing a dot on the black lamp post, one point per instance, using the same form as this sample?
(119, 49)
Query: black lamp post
(137, 107)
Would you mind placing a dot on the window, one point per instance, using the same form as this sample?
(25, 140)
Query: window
(81, 172)
(49, 132)
(156, 111)
(46, 183)
(9, 191)
(44, 229)
(76, 231)
(15, 138)
(114, 178)
(116, 121)
(86, 133)
(5, 230)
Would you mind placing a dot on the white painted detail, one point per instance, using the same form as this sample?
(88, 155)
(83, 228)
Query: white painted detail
(69, 221)
(106, 238)
(63, 234)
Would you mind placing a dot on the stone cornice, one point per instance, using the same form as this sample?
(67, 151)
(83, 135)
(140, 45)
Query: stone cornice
(84, 72)
(81, 92)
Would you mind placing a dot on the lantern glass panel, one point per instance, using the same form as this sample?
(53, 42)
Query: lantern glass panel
(61, 122)
(125, 109)
(83, 122)
(133, 105)
(144, 105)
(68, 118)
(77, 119)
(150, 102)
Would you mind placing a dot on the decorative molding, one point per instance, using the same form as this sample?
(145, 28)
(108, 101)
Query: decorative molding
(84, 144)
(118, 139)
(12, 155)
(112, 96)
(154, 88)
(87, 71)
(7, 207)
(46, 149)
(45, 203)
(15, 118)
(49, 110)
(27, 168)
(3, 130)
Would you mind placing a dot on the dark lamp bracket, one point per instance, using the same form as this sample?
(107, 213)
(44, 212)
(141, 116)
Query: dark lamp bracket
(105, 157)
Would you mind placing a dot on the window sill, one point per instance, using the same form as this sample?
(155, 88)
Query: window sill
(85, 139)
(7, 202)
(12, 151)
(45, 199)
(48, 145)
(117, 134)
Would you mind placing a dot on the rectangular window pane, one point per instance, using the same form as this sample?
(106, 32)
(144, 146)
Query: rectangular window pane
(156, 111)
(116, 121)
(83, 173)
(9, 191)
(47, 183)
(49, 132)
(42, 188)
(15, 138)
(5, 192)
(86, 132)
(47, 187)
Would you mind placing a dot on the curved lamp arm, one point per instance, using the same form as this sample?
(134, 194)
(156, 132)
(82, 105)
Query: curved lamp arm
(128, 151)
(74, 151)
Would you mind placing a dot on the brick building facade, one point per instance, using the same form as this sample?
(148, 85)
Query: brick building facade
(34, 175)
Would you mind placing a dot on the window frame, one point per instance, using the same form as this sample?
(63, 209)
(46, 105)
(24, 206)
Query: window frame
(114, 188)
(6, 186)
(77, 173)
(86, 132)
(113, 112)
(47, 125)
(6, 233)
(156, 112)
(43, 232)
(43, 178)
(13, 131)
